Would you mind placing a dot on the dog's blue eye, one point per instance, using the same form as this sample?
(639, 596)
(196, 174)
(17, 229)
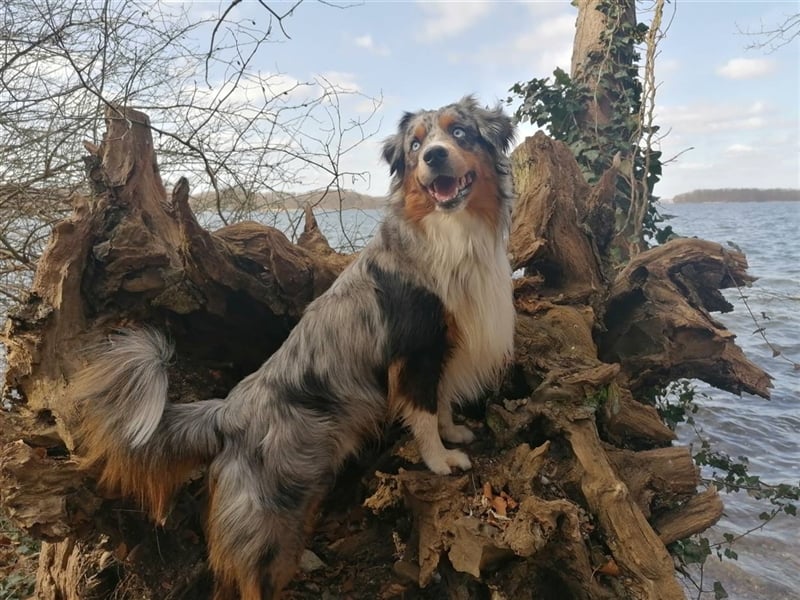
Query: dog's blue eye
(415, 145)
(459, 133)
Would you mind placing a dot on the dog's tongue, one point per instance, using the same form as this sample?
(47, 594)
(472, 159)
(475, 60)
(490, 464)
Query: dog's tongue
(444, 188)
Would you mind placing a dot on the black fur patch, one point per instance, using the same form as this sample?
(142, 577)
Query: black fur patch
(312, 392)
(289, 494)
(265, 561)
(417, 333)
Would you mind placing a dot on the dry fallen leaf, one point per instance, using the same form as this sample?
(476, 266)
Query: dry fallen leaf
(611, 568)
(499, 505)
(510, 502)
(487, 491)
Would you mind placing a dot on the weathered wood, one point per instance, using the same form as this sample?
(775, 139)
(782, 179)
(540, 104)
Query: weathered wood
(664, 475)
(586, 65)
(636, 548)
(694, 516)
(626, 422)
(27, 494)
(658, 321)
(546, 233)
(454, 519)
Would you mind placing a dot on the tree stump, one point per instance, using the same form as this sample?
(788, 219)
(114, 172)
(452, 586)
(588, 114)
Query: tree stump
(576, 486)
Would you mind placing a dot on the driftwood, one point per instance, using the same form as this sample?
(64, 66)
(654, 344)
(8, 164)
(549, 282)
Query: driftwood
(576, 486)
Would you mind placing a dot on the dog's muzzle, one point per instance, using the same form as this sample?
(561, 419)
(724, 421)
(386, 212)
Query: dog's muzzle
(446, 188)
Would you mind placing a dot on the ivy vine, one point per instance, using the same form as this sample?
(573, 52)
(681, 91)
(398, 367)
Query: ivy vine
(678, 403)
(560, 106)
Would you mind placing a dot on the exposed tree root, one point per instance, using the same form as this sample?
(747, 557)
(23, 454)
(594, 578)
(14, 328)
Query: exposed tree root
(576, 487)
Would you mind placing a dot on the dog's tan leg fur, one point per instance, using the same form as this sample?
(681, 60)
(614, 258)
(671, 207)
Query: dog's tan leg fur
(261, 577)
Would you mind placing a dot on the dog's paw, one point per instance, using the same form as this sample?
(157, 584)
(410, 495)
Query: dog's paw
(443, 464)
(458, 434)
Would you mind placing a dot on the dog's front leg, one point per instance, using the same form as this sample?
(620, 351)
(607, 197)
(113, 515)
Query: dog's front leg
(457, 434)
(425, 429)
(413, 395)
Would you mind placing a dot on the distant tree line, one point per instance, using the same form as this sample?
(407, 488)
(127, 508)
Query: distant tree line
(739, 195)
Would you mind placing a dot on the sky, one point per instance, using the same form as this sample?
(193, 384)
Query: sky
(732, 113)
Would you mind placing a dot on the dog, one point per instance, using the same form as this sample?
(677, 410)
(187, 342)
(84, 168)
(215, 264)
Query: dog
(423, 319)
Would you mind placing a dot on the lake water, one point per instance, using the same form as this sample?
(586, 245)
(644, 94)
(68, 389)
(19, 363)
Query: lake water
(766, 431)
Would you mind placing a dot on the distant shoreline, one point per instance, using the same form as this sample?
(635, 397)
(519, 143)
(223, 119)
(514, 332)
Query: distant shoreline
(738, 195)
(279, 202)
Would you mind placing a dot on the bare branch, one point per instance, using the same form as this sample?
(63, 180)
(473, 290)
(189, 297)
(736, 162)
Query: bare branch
(775, 36)
(244, 138)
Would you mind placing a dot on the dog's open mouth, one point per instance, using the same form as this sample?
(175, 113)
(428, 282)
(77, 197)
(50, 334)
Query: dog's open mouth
(448, 191)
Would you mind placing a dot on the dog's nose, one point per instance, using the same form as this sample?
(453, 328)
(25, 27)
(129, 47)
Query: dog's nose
(435, 156)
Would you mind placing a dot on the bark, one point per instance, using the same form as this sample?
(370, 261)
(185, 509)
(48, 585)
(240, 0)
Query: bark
(589, 57)
(603, 50)
(576, 486)
(658, 319)
(546, 233)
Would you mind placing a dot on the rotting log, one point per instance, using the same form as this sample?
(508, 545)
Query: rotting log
(574, 491)
(658, 322)
(695, 515)
(666, 475)
(626, 422)
(634, 545)
(547, 236)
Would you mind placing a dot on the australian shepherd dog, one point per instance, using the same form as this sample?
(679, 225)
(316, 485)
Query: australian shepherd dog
(423, 319)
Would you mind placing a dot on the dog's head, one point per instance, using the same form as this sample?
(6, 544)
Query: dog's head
(451, 159)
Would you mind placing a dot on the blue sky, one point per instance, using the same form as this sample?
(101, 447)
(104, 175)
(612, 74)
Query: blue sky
(738, 108)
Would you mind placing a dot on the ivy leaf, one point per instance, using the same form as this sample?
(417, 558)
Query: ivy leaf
(734, 246)
(719, 591)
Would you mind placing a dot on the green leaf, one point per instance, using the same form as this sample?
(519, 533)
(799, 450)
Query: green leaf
(719, 591)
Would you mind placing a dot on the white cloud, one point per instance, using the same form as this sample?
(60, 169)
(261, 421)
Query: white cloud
(342, 81)
(368, 106)
(366, 42)
(448, 19)
(550, 42)
(713, 118)
(546, 46)
(732, 145)
(739, 149)
(252, 91)
(747, 68)
(667, 65)
(541, 10)
(692, 165)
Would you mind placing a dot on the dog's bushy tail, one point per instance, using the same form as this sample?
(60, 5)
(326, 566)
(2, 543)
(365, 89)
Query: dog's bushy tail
(145, 446)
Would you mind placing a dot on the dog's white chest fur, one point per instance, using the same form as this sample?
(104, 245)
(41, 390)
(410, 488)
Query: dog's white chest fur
(473, 277)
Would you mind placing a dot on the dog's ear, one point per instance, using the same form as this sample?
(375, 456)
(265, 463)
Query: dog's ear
(394, 155)
(494, 125)
(394, 146)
